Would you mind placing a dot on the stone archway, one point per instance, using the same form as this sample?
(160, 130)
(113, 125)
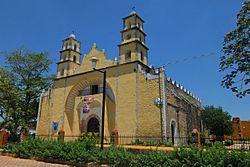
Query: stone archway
(94, 113)
(69, 104)
(73, 103)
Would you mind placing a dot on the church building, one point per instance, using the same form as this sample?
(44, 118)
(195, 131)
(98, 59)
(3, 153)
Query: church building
(140, 100)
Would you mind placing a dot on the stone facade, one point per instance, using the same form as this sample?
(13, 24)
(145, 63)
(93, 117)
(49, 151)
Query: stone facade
(74, 101)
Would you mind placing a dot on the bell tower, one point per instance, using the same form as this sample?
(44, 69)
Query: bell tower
(69, 57)
(132, 46)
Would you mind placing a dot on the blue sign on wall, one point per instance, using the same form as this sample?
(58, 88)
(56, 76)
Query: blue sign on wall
(54, 126)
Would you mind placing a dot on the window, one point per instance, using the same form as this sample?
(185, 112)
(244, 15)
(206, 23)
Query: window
(62, 72)
(128, 37)
(64, 57)
(66, 46)
(128, 56)
(74, 58)
(94, 63)
(75, 47)
(94, 89)
(173, 130)
(142, 56)
(128, 25)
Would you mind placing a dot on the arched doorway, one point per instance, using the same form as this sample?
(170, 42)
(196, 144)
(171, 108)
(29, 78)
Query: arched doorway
(93, 125)
(173, 127)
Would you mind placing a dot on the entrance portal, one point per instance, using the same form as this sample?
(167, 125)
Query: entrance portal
(93, 125)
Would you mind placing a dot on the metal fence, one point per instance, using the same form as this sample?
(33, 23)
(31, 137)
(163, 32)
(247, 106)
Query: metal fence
(228, 142)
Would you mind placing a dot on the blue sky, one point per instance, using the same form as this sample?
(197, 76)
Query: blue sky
(176, 30)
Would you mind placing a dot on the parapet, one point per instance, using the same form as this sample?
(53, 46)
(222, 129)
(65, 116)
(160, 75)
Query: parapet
(182, 89)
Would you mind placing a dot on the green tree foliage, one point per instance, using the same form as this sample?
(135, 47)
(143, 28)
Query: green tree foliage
(217, 121)
(236, 59)
(22, 79)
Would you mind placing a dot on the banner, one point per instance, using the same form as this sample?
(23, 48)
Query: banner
(86, 103)
(54, 126)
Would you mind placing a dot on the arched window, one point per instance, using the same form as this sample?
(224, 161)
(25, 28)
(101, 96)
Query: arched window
(128, 56)
(94, 89)
(62, 72)
(173, 130)
(94, 63)
(75, 47)
(66, 46)
(64, 57)
(128, 25)
(74, 58)
(142, 56)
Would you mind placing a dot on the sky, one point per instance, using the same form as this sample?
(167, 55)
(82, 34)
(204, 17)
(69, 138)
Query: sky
(176, 31)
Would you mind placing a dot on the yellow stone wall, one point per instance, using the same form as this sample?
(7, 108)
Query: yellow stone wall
(148, 112)
(43, 118)
(64, 98)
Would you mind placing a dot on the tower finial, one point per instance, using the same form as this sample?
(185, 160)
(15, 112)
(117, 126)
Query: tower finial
(72, 35)
(133, 10)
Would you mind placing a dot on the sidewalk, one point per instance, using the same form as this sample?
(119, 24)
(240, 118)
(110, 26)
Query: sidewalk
(6, 161)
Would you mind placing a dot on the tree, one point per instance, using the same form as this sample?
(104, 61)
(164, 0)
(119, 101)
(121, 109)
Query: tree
(217, 121)
(236, 58)
(22, 79)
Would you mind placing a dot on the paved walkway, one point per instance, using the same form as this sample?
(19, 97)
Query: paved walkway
(6, 161)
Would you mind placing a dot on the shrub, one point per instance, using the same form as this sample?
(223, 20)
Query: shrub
(83, 151)
(190, 140)
(89, 136)
(209, 144)
(152, 143)
(115, 156)
(243, 139)
(202, 138)
(151, 158)
(137, 142)
(75, 151)
(228, 142)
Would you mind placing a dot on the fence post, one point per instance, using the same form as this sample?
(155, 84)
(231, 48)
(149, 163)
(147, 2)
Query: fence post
(24, 135)
(114, 137)
(60, 136)
(1, 138)
(4, 136)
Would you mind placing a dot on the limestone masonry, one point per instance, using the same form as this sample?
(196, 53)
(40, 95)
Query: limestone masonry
(140, 100)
